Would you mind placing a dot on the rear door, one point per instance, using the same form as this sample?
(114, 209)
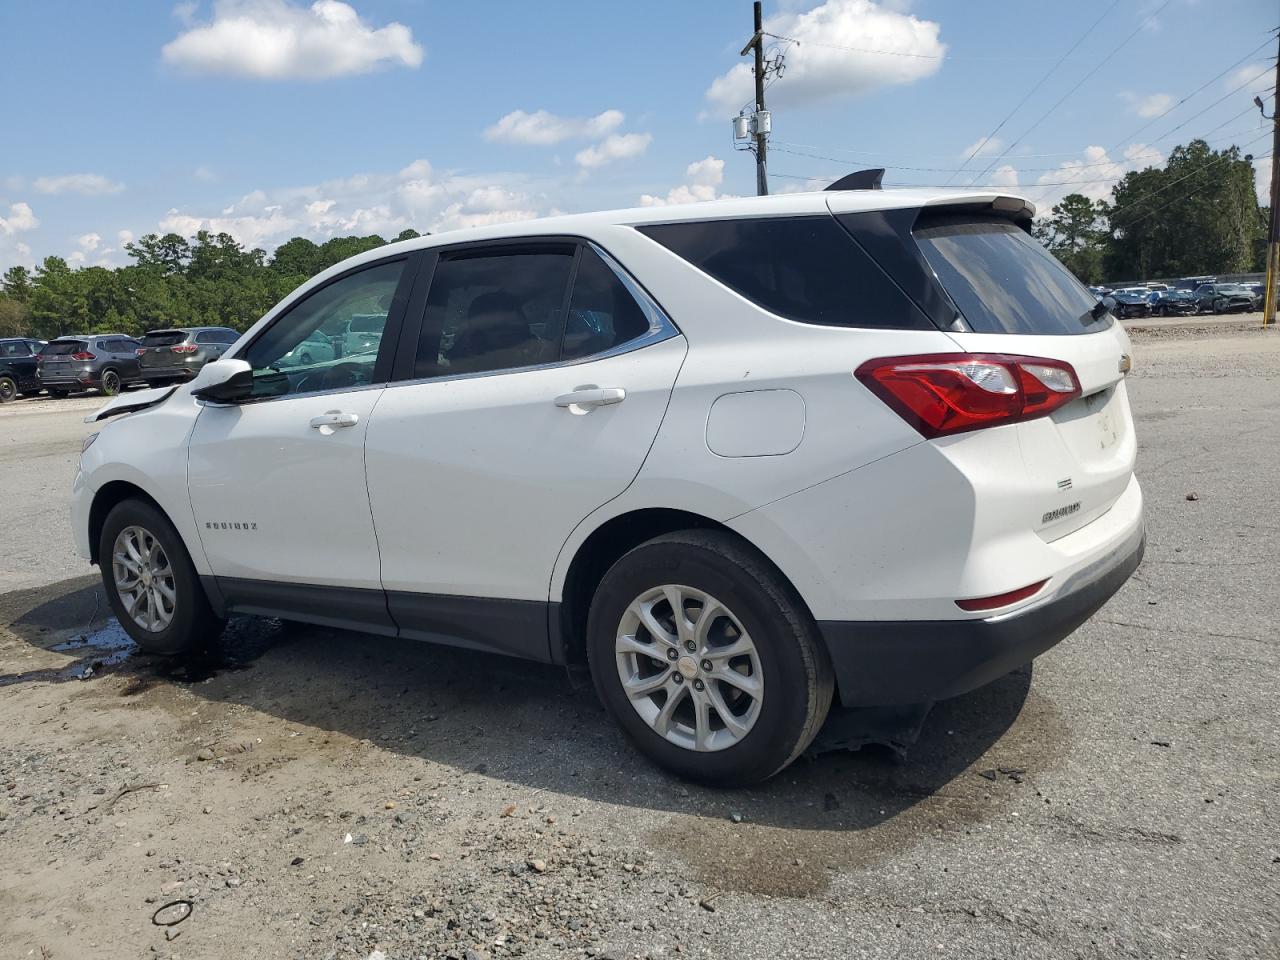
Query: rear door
(1014, 297)
(529, 397)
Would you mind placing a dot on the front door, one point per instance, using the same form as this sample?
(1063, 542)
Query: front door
(537, 386)
(277, 483)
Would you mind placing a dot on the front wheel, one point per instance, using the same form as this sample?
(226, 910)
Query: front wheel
(111, 383)
(150, 582)
(8, 389)
(707, 658)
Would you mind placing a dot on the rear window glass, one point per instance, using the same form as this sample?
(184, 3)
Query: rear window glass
(15, 348)
(803, 268)
(64, 347)
(1003, 281)
(367, 323)
(164, 338)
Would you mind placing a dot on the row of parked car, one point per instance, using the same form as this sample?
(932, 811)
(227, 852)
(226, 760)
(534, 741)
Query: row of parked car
(1198, 295)
(109, 362)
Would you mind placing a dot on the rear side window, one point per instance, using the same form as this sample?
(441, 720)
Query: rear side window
(494, 311)
(602, 312)
(1003, 281)
(803, 268)
(16, 348)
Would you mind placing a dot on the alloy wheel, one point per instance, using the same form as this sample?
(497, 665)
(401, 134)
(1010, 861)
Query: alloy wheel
(144, 579)
(689, 668)
(8, 389)
(111, 383)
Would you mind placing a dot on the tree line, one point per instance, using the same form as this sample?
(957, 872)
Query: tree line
(1196, 215)
(172, 281)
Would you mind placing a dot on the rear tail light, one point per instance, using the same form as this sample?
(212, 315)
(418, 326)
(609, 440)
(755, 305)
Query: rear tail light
(83, 355)
(945, 393)
(1001, 599)
(140, 351)
(184, 348)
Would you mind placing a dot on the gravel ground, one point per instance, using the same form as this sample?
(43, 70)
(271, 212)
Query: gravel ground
(319, 794)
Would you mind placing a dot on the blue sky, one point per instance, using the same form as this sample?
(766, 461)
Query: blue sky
(274, 118)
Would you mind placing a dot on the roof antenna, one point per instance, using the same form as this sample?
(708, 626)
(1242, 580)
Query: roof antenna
(862, 180)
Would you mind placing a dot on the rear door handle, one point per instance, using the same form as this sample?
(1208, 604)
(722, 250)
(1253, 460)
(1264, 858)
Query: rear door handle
(586, 398)
(334, 418)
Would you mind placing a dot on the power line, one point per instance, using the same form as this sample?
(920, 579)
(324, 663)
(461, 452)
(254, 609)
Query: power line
(1100, 64)
(987, 139)
(893, 53)
(1169, 203)
(1216, 160)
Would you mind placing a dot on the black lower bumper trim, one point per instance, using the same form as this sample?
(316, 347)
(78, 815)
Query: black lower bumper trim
(881, 663)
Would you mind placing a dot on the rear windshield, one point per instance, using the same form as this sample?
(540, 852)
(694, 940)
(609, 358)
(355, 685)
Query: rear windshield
(164, 338)
(806, 269)
(61, 348)
(1003, 281)
(368, 323)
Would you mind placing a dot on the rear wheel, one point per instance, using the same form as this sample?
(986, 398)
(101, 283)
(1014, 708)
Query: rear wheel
(8, 389)
(110, 383)
(707, 658)
(150, 582)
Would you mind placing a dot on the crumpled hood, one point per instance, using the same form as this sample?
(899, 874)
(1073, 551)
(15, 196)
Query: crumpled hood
(131, 402)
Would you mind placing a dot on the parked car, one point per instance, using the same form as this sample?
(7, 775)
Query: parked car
(315, 348)
(178, 353)
(18, 368)
(107, 362)
(1130, 302)
(1171, 303)
(666, 444)
(1223, 298)
(1259, 291)
(362, 333)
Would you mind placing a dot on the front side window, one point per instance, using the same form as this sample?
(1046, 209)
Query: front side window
(494, 311)
(281, 368)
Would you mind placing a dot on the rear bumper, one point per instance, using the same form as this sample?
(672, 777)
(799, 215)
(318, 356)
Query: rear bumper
(167, 374)
(880, 663)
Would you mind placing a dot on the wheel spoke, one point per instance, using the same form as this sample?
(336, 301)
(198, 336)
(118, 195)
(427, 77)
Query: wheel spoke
(702, 721)
(731, 722)
(739, 648)
(711, 612)
(644, 609)
(748, 685)
(675, 693)
(167, 591)
(675, 599)
(646, 686)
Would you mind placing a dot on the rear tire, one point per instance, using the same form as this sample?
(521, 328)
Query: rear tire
(8, 389)
(149, 580)
(110, 383)
(748, 607)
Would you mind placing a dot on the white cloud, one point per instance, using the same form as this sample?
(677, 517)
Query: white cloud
(205, 174)
(20, 218)
(417, 196)
(1256, 78)
(276, 39)
(1004, 176)
(705, 177)
(124, 236)
(1152, 105)
(821, 66)
(1094, 174)
(85, 184)
(543, 128)
(617, 146)
(982, 147)
(1262, 180)
(89, 242)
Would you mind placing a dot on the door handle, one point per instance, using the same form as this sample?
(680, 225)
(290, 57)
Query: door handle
(586, 398)
(334, 418)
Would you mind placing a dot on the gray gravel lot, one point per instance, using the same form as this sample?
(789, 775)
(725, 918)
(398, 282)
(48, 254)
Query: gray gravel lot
(1117, 800)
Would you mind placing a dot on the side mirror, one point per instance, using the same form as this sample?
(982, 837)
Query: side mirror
(228, 381)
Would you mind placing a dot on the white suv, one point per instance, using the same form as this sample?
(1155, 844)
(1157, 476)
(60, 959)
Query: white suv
(738, 457)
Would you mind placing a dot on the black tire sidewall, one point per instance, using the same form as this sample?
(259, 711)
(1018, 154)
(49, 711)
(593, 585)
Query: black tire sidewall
(771, 743)
(108, 387)
(193, 621)
(8, 388)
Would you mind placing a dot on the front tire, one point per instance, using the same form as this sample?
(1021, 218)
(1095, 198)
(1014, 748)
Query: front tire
(707, 658)
(110, 383)
(150, 582)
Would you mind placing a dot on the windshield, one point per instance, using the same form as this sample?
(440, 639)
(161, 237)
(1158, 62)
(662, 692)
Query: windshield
(63, 347)
(367, 323)
(1003, 281)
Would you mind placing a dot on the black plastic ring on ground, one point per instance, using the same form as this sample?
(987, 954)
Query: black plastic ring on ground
(172, 903)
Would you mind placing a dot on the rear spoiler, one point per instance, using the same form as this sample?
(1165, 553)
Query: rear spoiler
(135, 401)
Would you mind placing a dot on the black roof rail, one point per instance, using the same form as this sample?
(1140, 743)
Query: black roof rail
(862, 180)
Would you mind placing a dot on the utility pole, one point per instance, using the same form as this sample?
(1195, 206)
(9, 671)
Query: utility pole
(1273, 234)
(760, 125)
